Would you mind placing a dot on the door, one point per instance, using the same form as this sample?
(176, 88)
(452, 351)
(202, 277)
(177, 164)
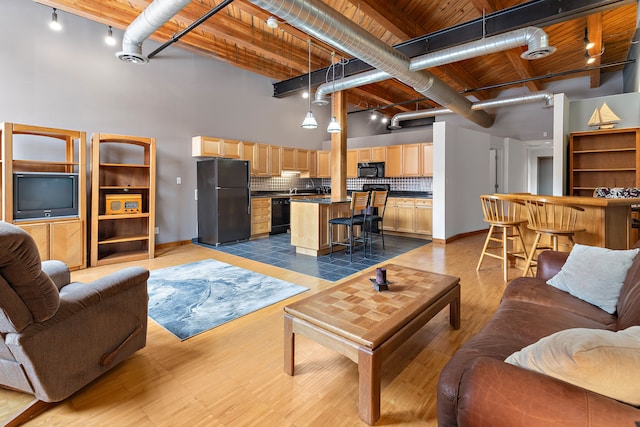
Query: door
(545, 176)
(232, 173)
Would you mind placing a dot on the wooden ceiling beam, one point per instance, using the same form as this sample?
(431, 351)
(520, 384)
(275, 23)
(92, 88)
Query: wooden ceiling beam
(594, 30)
(388, 15)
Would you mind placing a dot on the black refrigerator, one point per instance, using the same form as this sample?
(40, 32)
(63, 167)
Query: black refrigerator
(224, 201)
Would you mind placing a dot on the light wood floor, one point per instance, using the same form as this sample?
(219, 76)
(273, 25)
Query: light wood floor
(233, 375)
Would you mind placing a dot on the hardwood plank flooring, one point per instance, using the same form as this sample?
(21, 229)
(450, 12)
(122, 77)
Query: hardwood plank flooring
(233, 375)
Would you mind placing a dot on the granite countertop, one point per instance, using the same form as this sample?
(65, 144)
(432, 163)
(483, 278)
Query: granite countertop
(412, 194)
(321, 201)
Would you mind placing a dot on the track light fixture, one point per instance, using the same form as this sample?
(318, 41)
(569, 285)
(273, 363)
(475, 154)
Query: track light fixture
(109, 39)
(588, 44)
(54, 24)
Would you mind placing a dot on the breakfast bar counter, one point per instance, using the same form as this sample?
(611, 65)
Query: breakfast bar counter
(607, 222)
(310, 223)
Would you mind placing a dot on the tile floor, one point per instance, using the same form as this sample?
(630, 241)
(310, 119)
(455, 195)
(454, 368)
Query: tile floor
(277, 250)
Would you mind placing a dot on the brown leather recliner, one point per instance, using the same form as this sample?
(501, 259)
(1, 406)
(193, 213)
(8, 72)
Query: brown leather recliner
(56, 336)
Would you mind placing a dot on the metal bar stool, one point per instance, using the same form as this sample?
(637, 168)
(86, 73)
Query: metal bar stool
(505, 216)
(359, 204)
(552, 219)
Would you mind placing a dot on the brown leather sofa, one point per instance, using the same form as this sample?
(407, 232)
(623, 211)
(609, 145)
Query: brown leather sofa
(477, 388)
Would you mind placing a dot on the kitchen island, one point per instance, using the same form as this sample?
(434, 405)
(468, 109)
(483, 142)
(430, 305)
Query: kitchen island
(310, 224)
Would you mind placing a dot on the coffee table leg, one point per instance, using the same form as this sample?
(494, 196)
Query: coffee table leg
(289, 345)
(454, 309)
(369, 367)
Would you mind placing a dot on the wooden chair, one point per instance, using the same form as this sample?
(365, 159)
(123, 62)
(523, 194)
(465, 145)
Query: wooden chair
(504, 216)
(552, 219)
(377, 206)
(359, 204)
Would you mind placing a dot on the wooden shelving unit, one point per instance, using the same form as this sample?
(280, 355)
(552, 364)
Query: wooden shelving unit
(122, 165)
(604, 158)
(61, 150)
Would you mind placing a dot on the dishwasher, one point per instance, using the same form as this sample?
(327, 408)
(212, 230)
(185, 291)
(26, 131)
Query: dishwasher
(280, 214)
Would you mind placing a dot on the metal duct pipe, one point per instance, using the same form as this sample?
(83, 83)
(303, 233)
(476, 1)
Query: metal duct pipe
(481, 105)
(535, 38)
(324, 23)
(152, 18)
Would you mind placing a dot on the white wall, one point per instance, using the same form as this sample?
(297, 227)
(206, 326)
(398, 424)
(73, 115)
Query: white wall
(460, 176)
(72, 80)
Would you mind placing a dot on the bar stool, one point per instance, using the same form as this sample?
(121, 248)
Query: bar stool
(359, 203)
(377, 206)
(552, 219)
(505, 216)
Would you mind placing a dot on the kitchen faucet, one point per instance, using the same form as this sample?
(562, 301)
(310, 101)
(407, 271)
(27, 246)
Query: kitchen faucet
(293, 190)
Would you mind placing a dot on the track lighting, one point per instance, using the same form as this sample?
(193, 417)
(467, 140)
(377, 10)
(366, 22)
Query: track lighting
(54, 24)
(110, 40)
(309, 121)
(588, 44)
(373, 115)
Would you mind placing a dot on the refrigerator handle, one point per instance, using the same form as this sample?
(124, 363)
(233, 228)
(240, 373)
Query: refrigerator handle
(249, 200)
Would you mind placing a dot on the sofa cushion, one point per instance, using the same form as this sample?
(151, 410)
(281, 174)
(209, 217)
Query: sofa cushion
(536, 291)
(595, 274)
(602, 361)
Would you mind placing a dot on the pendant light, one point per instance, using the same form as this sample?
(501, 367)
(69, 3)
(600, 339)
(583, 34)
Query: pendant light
(309, 121)
(334, 126)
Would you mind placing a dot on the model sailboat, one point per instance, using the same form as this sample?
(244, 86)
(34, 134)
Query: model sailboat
(603, 117)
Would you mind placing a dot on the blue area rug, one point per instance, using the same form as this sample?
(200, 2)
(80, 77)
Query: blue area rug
(277, 250)
(192, 298)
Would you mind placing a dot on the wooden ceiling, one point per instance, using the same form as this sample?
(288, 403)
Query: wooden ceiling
(239, 35)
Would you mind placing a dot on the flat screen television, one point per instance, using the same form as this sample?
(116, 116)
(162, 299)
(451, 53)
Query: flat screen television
(44, 195)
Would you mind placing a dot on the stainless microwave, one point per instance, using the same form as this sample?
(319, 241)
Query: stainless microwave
(371, 170)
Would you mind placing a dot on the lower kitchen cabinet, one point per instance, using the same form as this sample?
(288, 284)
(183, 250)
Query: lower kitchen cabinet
(408, 215)
(260, 216)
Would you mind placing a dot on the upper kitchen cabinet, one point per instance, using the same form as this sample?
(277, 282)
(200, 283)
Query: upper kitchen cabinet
(205, 146)
(378, 154)
(275, 160)
(393, 164)
(427, 158)
(411, 156)
(324, 164)
(295, 159)
(260, 161)
(352, 163)
(364, 154)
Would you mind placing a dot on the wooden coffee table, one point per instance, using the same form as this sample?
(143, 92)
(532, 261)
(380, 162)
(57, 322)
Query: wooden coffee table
(367, 326)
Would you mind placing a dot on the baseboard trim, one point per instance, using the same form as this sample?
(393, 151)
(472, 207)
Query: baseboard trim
(459, 236)
(173, 244)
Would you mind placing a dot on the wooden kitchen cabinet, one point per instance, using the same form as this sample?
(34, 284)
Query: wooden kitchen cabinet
(205, 146)
(302, 160)
(393, 164)
(313, 164)
(411, 156)
(364, 154)
(352, 163)
(275, 160)
(260, 162)
(378, 154)
(427, 159)
(260, 216)
(424, 216)
(324, 164)
(295, 159)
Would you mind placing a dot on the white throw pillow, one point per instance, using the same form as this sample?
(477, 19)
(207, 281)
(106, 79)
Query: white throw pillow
(595, 275)
(605, 362)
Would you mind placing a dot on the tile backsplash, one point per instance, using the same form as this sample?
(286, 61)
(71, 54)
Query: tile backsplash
(293, 180)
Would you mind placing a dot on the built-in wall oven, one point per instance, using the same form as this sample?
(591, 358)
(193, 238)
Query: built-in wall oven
(280, 214)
